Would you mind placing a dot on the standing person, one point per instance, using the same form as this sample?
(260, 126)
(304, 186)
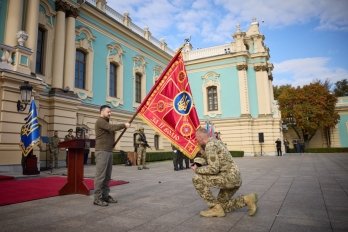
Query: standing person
(177, 159)
(53, 143)
(141, 144)
(87, 148)
(279, 147)
(68, 137)
(186, 160)
(219, 171)
(104, 144)
(286, 145)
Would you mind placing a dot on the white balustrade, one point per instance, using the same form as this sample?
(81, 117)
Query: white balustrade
(7, 57)
(119, 18)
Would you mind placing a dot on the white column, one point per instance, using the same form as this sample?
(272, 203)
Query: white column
(70, 54)
(263, 93)
(13, 21)
(243, 89)
(31, 27)
(58, 50)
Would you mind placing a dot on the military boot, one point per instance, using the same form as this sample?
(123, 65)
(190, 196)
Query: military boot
(216, 211)
(251, 200)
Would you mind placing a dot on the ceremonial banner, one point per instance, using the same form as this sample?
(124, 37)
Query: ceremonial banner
(30, 133)
(169, 108)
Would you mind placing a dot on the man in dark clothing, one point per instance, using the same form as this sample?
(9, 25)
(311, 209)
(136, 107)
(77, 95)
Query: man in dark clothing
(104, 144)
(279, 147)
(177, 159)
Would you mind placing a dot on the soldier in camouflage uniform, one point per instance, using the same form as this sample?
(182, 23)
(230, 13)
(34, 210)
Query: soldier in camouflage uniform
(140, 142)
(219, 171)
(54, 150)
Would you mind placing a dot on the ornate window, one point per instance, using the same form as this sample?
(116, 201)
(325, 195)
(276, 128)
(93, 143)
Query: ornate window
(113, 80)
(212, 98)
(115, 74)
(157, 70)
(211, 94)
(139, 77)
(40, 51)
(80, 69)
(84, 48)
(138, 88)
(156, 141)
(43, 65)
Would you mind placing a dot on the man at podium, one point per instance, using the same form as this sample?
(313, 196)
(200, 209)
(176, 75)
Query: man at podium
(104, 144)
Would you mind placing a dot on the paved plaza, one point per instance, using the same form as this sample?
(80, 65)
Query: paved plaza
(307, 192)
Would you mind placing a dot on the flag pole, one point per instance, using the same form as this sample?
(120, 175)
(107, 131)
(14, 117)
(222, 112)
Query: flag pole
(152, 89)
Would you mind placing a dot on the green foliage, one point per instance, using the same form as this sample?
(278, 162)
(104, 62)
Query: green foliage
(324, 150)
(119, 157)
(237, 153)
(341, 88)
(311, 107)
(159, 156)
(277, 90)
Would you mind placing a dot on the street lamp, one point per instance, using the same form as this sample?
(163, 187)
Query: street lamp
(290, 120)
(26, 91)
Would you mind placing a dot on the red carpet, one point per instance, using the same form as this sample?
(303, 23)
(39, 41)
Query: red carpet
(16, 191)
(2, 177)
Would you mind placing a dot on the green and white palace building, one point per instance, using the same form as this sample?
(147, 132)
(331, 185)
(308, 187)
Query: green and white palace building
(78, 55)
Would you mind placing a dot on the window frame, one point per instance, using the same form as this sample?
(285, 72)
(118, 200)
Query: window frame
(78, 64)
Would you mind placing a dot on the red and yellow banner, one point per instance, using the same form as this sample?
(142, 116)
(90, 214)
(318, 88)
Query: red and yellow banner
(169, 108)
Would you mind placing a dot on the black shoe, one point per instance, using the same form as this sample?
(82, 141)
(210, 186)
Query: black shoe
(100, 202)
(109, 199)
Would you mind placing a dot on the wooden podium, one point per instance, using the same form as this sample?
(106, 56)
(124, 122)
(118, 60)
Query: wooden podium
(75, 182)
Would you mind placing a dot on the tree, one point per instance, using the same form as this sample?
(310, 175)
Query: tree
(341, 88)
(308, 109)
(278, 90)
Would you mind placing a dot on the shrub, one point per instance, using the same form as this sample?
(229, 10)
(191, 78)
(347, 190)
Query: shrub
(120, 157)
(323, 150)
(327, 150)
(159, 156)
(237, 153)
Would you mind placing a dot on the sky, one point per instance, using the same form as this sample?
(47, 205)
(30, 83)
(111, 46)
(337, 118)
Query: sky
(308, 39)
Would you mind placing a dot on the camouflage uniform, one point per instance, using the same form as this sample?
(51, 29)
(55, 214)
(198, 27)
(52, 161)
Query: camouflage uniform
(220, 172)
(54, 151)
(141, 148)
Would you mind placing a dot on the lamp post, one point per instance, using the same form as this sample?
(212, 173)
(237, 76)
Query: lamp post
(25, 91)
(290, 120)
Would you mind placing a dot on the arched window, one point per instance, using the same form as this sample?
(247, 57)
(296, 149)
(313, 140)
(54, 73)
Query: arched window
(156, 141)
(113, 80)
(40, 51)
(139, 80)
(138, 77)
(80, 69)
(212, 98)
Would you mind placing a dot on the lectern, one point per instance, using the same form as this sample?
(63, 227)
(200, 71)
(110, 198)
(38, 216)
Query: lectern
(75, 182)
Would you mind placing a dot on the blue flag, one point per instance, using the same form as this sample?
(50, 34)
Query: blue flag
(30, 131)
(210, 128)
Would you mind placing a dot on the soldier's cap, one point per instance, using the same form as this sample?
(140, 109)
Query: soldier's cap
(199, 161)
(70, 130)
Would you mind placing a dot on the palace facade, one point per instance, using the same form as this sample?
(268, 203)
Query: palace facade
(78, 55)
